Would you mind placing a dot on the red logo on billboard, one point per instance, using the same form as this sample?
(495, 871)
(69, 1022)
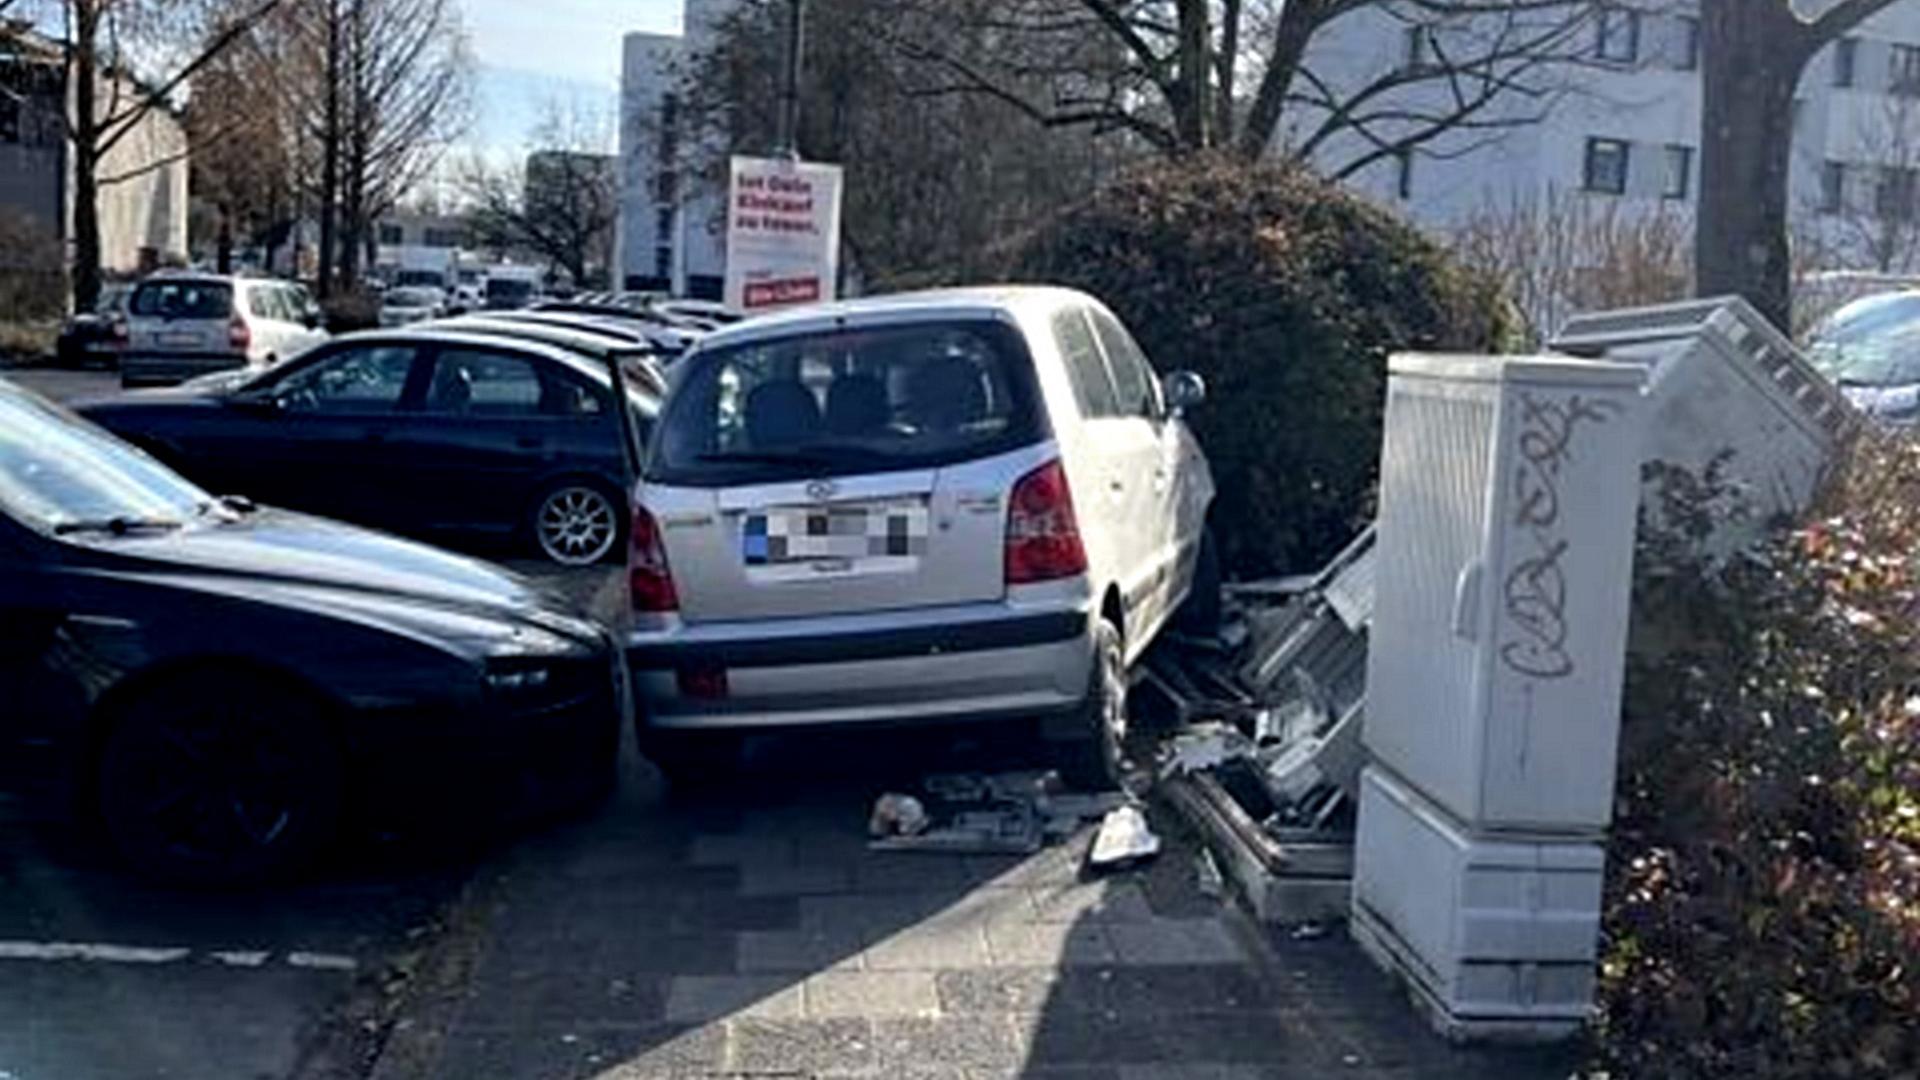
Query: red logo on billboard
(782, 291)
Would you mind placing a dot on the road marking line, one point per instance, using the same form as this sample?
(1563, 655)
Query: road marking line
(241, 959)
(322, 961)
(112, 954)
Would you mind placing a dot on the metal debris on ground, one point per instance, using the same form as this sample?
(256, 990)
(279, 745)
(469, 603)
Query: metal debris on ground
(1124, 840)
(1202, 746)
(1206, 871)
(1010, 812)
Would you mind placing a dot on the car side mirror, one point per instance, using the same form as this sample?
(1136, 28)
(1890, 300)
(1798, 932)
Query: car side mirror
(311, 318)
(1183, 390)
(256, 404)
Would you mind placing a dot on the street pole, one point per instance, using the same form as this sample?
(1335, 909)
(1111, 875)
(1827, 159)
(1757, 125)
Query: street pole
(789, 141)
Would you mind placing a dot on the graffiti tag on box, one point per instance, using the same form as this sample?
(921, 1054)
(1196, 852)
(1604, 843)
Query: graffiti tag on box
(1535, 590)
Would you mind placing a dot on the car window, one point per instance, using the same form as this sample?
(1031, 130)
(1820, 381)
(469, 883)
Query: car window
(183, 299)
(265, 302)
(57, 470)
(1092, 385)
(474, 382)
(113, 300)
(1137, 391)
(840, 402)
(365, 379)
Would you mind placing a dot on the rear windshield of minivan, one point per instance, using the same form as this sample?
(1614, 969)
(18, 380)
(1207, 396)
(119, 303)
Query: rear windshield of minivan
(183, 299)
(841, 402)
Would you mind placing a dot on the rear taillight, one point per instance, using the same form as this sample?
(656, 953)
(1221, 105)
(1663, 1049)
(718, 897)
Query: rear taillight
(119, 331)
(649, 581)
(239, 335)
(1043, 538)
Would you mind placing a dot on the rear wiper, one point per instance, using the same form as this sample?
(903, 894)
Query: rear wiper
(119, 525)
(766, 457)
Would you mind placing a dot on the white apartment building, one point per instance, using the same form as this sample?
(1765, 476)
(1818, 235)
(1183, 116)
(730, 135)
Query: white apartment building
(1624, 130)
(670, 233)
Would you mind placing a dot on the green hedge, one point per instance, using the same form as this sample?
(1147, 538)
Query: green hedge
(1763, 890)
(1287, 294)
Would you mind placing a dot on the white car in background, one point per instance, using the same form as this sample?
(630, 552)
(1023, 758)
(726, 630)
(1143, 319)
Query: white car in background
(965, 505)
(183, 325)
(408, 304)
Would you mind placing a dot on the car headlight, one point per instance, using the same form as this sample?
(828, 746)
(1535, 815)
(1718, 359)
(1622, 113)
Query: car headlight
(517, 678)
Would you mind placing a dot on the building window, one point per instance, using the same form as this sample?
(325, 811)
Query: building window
(443, 238)
(1904, 78)
(1846, 53)
(662, 223)
(1689, 58)
(1606, 170)
(9, 117)
(1833, 187)
(391, 235)
(1403, 173)
(1678, 183)
(1618, 37)
(1417, 58)
(1893, 197)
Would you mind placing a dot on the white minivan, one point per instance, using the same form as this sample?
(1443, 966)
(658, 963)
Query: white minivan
(182, 325)
(962, 505)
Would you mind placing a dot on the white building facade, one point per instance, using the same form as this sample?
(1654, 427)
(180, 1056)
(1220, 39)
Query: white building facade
(1622, 130)
(670, 236)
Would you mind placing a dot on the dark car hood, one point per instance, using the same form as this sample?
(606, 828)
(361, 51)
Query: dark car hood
(290, 553)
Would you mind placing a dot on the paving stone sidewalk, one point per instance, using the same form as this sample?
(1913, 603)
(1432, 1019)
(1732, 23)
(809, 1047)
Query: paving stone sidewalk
(766, 940)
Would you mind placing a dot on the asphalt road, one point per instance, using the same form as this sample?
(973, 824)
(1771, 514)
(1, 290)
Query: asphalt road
(64, 384)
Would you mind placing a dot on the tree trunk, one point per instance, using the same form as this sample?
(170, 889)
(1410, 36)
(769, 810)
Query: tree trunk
(1192, 102)
(1296, 28)
(1751, 59)
(223, 254)
(86, 160)
(330, 153)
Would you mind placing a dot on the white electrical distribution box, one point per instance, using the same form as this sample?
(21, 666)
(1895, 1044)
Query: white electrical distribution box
(1508, 493)
(1497, 936)
(1722, 378)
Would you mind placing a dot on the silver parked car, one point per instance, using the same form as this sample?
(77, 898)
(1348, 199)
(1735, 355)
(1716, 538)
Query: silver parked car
(183, 324)
(960, 505)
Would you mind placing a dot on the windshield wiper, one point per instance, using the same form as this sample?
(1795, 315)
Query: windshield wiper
(119, 525)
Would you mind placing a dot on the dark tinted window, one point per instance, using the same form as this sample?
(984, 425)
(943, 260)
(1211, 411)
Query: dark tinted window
(371, 378)
(183, 299)
(477, 383)
(848, 402)
(1137, 390)
(1092, 385)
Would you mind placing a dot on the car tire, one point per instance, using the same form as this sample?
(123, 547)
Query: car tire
(1091, 751)
(220, 782)
(692, 760)
(1199, 613)
(578, 522)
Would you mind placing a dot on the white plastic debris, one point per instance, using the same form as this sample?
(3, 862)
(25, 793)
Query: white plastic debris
(1203, 746)
(1213, 884)
(897, 815)
(1123, 840)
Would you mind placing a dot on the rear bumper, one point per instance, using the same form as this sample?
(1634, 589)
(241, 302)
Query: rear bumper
(935, 665)
(165, 369)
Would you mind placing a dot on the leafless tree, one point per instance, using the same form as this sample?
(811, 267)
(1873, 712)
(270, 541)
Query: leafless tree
(559, 201)
(1875, 224)
(1564, 253)
(1752, 55)
(243, 162)
(376, 91)
(125, 59)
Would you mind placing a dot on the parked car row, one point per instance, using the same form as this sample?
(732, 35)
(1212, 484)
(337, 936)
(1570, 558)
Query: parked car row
(970, 506)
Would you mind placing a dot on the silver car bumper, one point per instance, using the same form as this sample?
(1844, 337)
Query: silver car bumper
(988, 661)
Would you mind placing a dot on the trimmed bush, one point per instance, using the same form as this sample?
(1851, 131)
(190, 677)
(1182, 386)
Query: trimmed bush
(1761, 911)
(1287, 294)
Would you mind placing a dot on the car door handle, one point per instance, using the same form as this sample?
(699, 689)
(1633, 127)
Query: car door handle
(1116, 485)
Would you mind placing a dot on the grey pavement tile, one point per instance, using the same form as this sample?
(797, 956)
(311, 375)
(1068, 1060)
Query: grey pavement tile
(609, 950)
(1049, 945)
(728, 914)
(996, 990)
(799, 950)
(1102, 900)
(1175, 941)
(794, 879)
(639, 1053)
(870, 994)
(983, 1043)
(870, 914)
(740, 849)
(929, 945)
(564, 994)
(1069, 1037)
(882, 872)
(779, 1047)
(697, 999)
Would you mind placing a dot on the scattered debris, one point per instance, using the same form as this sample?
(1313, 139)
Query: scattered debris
(1207, 872)
(1311, 931)
(1013, 830)
(1199, 747)
(897, 815)
(1124, 840)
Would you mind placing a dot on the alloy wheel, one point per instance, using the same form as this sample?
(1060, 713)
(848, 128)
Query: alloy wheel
(576, 526)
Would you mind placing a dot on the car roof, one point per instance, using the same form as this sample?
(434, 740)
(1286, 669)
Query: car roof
(444, 333)
(1001, 301)
(578, 340)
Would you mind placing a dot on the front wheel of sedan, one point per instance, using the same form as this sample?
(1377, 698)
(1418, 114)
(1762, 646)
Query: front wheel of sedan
(220, 781)
(576, 523)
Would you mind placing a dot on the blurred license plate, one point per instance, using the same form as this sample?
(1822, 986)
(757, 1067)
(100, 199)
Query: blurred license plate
(179, 339)
(856, 532)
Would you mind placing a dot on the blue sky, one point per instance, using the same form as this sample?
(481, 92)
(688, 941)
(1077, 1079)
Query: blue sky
(531, 52)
